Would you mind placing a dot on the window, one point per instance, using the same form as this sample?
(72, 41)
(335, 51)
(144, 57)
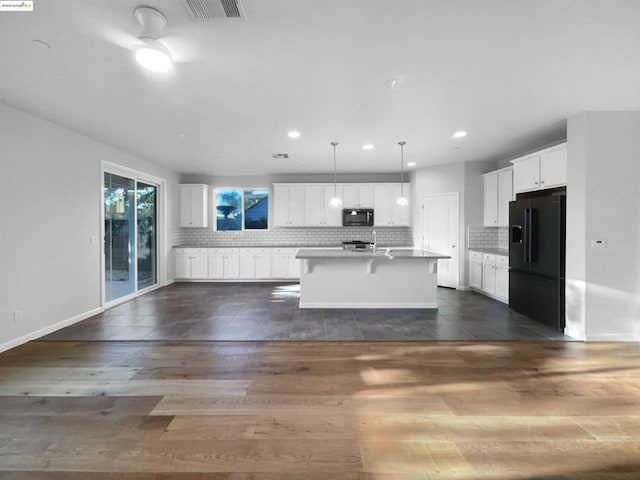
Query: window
(238, 209)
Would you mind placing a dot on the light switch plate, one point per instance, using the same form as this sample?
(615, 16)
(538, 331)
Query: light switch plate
(598, 243)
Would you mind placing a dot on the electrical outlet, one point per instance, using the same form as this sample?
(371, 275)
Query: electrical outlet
(17, 315)
(93, 240)
(598, 243)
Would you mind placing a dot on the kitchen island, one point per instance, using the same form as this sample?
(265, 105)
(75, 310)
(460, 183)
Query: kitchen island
(369, 278)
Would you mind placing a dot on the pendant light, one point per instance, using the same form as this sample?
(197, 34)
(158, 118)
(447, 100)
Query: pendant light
(335, 201)
(402, 201)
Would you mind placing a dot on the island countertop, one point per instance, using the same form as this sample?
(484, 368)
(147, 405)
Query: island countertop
(389, 253)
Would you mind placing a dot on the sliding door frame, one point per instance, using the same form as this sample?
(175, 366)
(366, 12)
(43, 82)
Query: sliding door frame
(161, 230)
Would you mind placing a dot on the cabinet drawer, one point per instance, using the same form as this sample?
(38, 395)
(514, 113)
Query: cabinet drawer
(189, 251)
(502, 260)
(285, 251)
(255, 250)
(223, 250)
(475, 255)
(488, 257)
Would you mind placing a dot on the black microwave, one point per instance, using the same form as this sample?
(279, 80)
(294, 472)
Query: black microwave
(357, 217)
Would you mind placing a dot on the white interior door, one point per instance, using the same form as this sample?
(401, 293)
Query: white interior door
(440, 233)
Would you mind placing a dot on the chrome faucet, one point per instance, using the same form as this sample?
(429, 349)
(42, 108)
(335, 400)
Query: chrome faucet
(373, 237)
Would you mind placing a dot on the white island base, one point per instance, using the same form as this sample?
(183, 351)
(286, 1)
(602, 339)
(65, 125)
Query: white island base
(406, 279)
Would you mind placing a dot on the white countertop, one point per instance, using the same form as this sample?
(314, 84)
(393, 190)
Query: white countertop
(307, 254)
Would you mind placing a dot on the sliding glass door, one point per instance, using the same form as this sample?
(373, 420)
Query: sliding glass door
(130, 240)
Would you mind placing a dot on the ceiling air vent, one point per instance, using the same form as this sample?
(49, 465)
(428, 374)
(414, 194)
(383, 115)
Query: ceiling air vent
(202, 10)
(280, 155)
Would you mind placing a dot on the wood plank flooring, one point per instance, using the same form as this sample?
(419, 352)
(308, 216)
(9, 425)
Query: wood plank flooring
(320, 410)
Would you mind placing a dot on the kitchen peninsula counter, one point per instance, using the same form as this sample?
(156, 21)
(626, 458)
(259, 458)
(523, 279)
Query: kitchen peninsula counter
(384, 278)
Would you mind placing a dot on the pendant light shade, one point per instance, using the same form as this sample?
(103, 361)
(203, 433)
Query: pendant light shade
(335, 201)
(402, 201)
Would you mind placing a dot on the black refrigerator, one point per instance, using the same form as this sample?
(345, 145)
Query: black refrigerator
(537, 258)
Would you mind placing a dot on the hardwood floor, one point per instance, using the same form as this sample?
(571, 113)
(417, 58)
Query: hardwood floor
(320, 410)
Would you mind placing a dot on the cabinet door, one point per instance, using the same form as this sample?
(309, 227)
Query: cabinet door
(475, 274)
(314, 205)
(365, 196)
(553, 168)
(199, 199)
(526, 174)
(247, 265)
(294, 267)
(280, 265)
(502, 283)
(216, 265)
(186, 219)
(199, 266)
(263, 265)
(183, 266)
(296, 205)
(332, 215)
(490, 200)
(382, 214)
(489, 278)
(232, 266)
(350, 196)
(400, 214)
(281, 205)
(505, 195)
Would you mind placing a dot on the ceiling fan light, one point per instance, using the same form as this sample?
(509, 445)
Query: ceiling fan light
(154, 56)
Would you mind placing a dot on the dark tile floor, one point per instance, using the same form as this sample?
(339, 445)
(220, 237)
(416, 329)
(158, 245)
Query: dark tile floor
(268, 311)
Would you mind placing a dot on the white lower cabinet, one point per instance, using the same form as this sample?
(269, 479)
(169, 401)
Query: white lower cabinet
(260, 263)
(191, 263)
(489, 274)
(284, 263)
(255, 263)
(475, 270)
(224, 263)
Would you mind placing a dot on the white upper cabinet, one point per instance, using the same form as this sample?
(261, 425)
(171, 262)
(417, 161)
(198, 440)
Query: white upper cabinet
(317, 211)
(553, 168)
(498, 192)
(544, 169)
(307, 204)
(193, 205)
(288, 205)
(357, 195)
(386, 213)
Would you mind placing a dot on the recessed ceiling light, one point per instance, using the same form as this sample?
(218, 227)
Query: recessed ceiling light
(368, 146)
(460, 134)
(411, 164)
(294, 134)
(182, 135)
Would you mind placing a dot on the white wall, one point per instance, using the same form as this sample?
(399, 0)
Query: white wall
(603, 177)
(464, 178)
(50, 203)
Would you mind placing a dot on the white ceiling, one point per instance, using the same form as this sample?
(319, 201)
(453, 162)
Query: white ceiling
(508, 71)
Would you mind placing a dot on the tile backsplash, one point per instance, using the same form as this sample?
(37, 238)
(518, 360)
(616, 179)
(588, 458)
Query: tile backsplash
(387, 236)
(488, 237)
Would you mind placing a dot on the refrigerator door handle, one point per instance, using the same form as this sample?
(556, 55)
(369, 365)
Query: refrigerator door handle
(525, 235)
(530, 236)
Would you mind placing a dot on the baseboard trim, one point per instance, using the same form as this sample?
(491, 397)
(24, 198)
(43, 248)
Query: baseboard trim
(235, 280)
(611, 337)
(463, 288)
(49, 329)
(368, 305)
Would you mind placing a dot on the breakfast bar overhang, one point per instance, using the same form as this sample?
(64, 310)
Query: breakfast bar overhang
(369, 279)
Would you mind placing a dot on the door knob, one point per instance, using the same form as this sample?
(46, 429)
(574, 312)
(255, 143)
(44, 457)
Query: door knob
(453, 246)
